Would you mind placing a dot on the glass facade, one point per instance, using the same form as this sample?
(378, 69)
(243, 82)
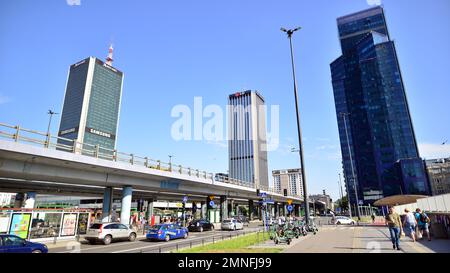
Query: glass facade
(92, 118)
(368, 88)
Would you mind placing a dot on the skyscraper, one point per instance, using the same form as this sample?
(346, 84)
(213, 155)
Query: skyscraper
(91, 105)
(371, 106)
(247, 144)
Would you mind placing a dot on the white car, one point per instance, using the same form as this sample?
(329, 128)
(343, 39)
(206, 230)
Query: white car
(107, 232)
(232, 224)
(343, 220)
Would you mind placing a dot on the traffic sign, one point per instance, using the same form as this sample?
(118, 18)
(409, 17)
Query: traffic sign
(290, 208)
(263, 194)
(211, 203)
(185, 198)
(211, 197)
(289, 201)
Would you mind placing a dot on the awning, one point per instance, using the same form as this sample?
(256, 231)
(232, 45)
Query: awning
(398, 200)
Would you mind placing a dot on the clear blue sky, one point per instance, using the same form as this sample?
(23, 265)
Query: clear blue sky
(171, 51)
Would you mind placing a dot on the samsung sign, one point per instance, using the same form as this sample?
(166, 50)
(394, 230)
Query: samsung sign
(68, 131)
(100, 133)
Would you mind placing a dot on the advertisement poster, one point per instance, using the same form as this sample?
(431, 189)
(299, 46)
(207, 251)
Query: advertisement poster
(69, 224)
(83, 223)
(20, 223)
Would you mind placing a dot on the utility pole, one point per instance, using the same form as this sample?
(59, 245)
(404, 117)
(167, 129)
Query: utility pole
(353, 169)
(299, 131)
(50, 113)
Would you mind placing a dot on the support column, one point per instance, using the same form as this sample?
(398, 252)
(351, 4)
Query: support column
(237, 209)
(223, 208)
(18, 203)
(276, 210)
(231, 212)
(250, 210)
(149, 212)
(125, 210)
(203, 209)
(107, 202)
(30, 200)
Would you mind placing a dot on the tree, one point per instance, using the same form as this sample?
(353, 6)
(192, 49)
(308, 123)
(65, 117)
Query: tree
(342, 203)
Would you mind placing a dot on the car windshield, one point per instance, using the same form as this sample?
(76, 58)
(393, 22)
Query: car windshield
(156, 227)
(96, 226)
(227, 221)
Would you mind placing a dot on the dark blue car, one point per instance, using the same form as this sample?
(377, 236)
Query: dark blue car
(166, 232)
(14, 244)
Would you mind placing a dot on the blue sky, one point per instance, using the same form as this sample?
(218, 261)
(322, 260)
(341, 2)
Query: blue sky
(172, 51)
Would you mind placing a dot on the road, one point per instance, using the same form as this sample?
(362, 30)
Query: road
(141, 245)
(361, 239)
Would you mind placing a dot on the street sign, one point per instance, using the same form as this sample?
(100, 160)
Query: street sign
(263, 194)
(289, 201)
(185, 198)
(290, 208)
(211, 203)
(211, 197)
(269, 201)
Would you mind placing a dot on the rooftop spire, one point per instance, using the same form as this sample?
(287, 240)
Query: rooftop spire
(109, 59)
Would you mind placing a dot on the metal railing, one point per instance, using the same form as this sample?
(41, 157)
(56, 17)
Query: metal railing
(32, 137)
(182, 245)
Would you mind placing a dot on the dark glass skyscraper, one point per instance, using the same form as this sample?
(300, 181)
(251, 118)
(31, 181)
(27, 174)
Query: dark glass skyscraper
(91, 107)
(371, 103)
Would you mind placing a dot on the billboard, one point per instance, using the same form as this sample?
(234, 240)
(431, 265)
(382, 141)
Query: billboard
(20, 224)
(69, 224)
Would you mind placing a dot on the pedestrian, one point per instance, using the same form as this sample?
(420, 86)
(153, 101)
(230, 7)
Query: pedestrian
(373, 218)
(394, 223)
(423, 223)
(410, 224)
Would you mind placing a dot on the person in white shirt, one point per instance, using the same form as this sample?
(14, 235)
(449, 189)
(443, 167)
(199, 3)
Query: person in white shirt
(410, 224)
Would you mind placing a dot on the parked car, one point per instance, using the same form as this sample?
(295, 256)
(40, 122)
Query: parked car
(232, 224)
(107, 232)
(14, 244)
(343, 220)
(200, 225)
(166, 232)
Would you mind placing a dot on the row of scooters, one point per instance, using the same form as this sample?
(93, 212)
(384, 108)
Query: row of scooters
(284, 233)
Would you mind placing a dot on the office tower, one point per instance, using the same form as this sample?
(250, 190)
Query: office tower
(290, 179)
(91, 107)
(371, 106)
(247, 145)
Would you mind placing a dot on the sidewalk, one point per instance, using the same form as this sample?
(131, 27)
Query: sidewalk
(69, 243)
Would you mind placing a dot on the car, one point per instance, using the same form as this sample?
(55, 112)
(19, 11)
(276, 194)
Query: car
(343, 220)
(108, 232)
(166, 232)
(231, 224)
(14, 244)
(200, 225)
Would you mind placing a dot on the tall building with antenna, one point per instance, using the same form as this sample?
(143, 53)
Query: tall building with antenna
(91, 108)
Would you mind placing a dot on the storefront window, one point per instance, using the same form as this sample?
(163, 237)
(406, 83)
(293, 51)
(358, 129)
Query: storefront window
(45, 225)
(4, 221)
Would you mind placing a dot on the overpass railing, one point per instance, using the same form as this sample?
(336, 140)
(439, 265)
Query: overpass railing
(49, 141)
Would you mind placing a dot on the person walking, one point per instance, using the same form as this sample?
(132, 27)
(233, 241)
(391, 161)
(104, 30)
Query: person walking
(410, 224)
(423, 223)
(373, 218)
(394, 223)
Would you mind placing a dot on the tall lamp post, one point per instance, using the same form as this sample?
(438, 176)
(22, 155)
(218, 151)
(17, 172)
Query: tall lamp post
(50, 113)
(170, 162)
(300, 144)
(351, 164)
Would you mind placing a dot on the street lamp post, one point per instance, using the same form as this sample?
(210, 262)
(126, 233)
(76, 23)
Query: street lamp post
(351, 164)
(300, 144)
(170, 162)
(51, 113)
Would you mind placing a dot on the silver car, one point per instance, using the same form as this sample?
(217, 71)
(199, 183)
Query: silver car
(107, 232)
(232, 224)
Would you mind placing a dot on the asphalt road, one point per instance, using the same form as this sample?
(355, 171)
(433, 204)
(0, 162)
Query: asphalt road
(142, 245)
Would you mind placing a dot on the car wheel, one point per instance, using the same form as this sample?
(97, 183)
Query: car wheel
(132, 237)
(36, 251)
(352, 223)
(338, 223)
(91, 242)
(276, 241)
(167, 238)
(107, 240)
(185, 235)
(212, 227)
